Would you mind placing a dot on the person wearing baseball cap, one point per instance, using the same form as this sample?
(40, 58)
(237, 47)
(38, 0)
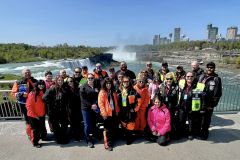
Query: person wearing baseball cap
(213, 90)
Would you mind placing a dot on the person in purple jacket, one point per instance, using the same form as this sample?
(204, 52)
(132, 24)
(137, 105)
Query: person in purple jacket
(159, 121)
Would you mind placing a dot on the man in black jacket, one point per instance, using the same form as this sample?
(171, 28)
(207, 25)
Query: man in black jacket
(197, 70)
(213, 90)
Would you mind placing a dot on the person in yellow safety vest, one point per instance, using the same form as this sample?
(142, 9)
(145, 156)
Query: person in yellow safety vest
(163, 71)
(129, 103)
(190, 103)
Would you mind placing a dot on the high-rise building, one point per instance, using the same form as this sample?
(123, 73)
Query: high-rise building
(177, 34)
(156, 40)
(212, 33)
(231, 33)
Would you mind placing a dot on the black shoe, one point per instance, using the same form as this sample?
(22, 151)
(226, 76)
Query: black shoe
(129, 141)
(37, 145)
(110, 148)
(204, 136)
(45, 139)
(90, 145)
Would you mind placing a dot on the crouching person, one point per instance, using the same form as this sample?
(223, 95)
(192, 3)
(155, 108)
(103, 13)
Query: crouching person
(36, 113)
(159, 121)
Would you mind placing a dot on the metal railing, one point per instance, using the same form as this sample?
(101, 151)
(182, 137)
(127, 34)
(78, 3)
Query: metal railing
(9, 109)
(229, 102)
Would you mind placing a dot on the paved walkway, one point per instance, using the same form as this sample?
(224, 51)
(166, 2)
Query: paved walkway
(223, 144)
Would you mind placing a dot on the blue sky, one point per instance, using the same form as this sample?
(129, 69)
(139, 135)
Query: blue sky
(111, 22)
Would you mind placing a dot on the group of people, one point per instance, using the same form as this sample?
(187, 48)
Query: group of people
(159, 105)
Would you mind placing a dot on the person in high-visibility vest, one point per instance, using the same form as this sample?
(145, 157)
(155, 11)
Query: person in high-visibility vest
(129, 103)
(190, 103)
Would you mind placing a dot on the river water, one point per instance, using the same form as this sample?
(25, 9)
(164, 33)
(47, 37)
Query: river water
(231, 83)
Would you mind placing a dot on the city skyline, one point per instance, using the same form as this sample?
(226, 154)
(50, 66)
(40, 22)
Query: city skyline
(106, 23)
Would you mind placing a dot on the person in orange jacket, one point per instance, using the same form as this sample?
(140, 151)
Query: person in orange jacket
(99, 73)
(36, 113)
(142, 90)
(109, 109)
(20, 90)
(129, 102)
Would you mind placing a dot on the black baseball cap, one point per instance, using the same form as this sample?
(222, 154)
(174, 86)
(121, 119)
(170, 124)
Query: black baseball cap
(164, 64)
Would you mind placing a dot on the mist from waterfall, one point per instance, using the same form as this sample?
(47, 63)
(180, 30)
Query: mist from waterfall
(120, 54)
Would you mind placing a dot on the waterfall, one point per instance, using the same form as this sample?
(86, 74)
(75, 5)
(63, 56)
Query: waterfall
(38, 68)
(120, 54)
(71, 64)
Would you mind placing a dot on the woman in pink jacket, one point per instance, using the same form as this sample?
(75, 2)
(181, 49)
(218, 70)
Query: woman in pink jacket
(159, 121)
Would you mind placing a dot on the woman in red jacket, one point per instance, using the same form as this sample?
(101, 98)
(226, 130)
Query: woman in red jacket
(108, 104)
(36, 113)
(159, 121)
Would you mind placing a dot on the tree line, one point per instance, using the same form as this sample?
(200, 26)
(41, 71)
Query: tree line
(26, 53)
(191, 45)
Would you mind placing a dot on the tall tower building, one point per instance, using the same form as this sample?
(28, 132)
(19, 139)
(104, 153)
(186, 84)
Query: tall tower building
(231, 33)
(177, 34)
(212, 33)
(156, 40)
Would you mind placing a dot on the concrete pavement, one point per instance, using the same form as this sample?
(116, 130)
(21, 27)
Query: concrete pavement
(223, 144)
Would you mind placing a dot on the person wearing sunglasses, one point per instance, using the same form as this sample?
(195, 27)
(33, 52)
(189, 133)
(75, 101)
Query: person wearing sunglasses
(142, 90)
(99, 73)
(118, 83)
(89, 97)
(191, 95)
(74, 110)
(168, 90)
(213, 91)
(77, 75)
(129, 102)
(109, 109)
(36, 113)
